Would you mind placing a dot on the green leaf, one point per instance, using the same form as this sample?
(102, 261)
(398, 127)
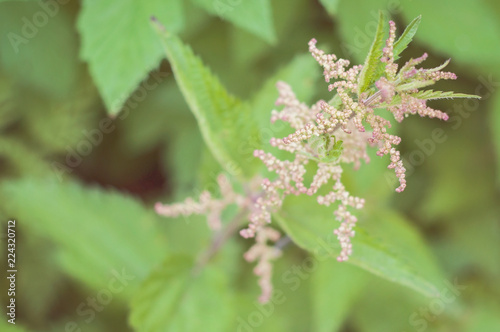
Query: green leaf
(226, 123)
(384, 245)
(331, 6)
(367, 76)
(444, 64)
(173, 298)
(398, 309)
(254, 16)
(119, 45)
(98, 233)
(335, 288)
(406, 38)
(431, 94)
(414, 85)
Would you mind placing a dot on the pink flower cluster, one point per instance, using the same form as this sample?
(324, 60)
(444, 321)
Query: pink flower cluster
(339, 131)
(207, 205)
(290, 174)
(213, 207)
(264, 253)
(396, 91)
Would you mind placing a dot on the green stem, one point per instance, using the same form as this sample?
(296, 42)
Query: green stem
(219, 239)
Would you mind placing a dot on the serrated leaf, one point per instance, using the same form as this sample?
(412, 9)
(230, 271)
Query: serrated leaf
(252, 15)
(119, 45)
(414, 85)
(431, 94)
(331, 6)
(335, 288)
(367, 76)
(401, 257)
(439, 67)
(226, 123)
(173, 298)
(406, 38)
(97, 233)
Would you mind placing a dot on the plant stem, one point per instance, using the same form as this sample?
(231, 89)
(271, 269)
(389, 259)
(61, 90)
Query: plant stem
(219, 239)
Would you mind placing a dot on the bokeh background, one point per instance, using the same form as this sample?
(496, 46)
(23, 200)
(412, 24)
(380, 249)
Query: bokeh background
(94, 130)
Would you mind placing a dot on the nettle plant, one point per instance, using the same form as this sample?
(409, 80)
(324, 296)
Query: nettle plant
(327, 135)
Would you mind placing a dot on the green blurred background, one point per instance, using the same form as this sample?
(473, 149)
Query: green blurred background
(76, 193)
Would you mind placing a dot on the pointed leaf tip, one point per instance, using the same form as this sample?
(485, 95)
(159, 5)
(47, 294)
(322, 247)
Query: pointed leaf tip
(407, 36)
(368, 73)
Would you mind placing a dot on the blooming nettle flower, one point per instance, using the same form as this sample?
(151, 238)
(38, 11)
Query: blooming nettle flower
(335, 132)
(328, 134)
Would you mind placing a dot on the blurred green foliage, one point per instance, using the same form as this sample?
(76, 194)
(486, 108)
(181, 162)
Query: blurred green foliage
(95, 128)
